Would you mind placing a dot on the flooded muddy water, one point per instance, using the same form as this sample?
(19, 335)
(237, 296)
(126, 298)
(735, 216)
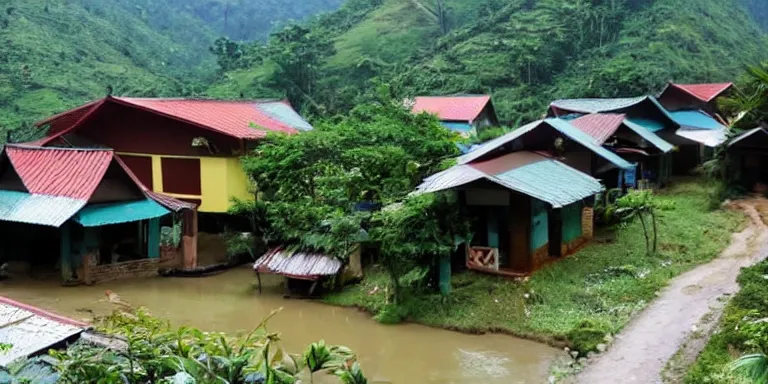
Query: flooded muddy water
(227, 302)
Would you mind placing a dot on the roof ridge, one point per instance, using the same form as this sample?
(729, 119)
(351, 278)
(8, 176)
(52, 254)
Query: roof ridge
(265, 100)
(35, 147)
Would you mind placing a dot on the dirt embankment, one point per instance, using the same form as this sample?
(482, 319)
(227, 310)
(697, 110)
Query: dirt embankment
(683, 316)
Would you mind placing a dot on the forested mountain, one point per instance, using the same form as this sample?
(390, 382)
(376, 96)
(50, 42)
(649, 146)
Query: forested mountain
(58, 53)
(524, 52)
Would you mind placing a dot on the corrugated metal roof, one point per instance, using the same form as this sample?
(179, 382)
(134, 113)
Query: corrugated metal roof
(526, 172)
(597, 105)
(244, 119)
(283, 112)
(649, 136)
(709, 137)
(21, 207)
(297, 264)
(30, 330)
(66, 119)
(696, 119)
(601, 126)
(123, 212)
(649, 124)
(74, 173)
(169, 202)
(561, 126)
(457, 127)
(456, 108)
(233, 118)
(747, 134)
(704, 92)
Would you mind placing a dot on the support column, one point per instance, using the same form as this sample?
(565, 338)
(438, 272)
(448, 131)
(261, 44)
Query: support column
(66, 253)
(189, 238)
(153, 238)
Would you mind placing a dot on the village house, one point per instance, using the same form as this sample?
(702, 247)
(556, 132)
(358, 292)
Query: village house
(694, 133)
(747, 156)
(188, 149)
(560, 140)
(83, 212)
(632, 142)
(531, 209)
(466, 115)
(704, 97)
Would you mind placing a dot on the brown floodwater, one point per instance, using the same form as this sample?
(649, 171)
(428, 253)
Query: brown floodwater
(227, 302)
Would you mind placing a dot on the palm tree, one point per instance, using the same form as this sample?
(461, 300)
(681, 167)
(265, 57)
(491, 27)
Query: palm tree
(748, 106)
(752, 367)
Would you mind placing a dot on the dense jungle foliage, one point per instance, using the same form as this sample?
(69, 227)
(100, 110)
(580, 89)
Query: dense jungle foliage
(525, 53)
(56, 54)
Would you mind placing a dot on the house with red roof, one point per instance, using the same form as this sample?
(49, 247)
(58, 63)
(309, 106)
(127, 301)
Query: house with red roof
(81, 210)
(677, 97)
(462, 114)
(185, 148)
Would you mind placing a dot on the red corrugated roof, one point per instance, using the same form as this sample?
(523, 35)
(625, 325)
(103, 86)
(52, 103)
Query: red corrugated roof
(599, 125)
(66, 119)
(240, 119)
(704, 92)
(453, 108)
(73, 173)
(233, 118)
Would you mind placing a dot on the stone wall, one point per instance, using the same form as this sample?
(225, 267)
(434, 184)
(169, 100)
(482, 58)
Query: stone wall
(92, 274)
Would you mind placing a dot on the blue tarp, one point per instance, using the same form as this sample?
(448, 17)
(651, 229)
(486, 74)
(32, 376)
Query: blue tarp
(115, 213)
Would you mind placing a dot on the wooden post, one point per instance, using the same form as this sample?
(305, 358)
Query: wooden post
(66, 253)
(258, 277)
(189, 239)
(153, 238)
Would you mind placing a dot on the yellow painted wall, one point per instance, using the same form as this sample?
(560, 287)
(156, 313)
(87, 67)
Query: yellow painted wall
(221, 177)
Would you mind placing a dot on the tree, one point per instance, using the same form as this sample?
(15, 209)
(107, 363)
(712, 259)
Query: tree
(642, 204)
(298, 54)
(748, 106)
(310, 184)
(421, 231)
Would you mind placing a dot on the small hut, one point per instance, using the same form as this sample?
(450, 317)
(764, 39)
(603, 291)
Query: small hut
(300, 268)
(748, 159)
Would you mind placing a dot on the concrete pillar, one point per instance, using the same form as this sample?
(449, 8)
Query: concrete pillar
(189, 238)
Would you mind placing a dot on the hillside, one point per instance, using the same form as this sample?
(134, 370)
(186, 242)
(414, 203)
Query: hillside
(524, 52)
(59, 53)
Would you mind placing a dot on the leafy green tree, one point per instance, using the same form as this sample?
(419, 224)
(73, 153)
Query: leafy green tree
(642, 205)
(309, 184)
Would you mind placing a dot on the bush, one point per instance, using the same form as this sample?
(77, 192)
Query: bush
(585, 337)
(391, 314)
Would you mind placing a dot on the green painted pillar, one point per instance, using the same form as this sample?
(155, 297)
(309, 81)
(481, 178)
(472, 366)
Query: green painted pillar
(66, 252)
(153, 238)
(445, 274)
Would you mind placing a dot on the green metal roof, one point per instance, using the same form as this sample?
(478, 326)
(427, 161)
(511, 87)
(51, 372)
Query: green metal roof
(526, 172)
(560, 125)
(22, 207)
(123, 212)
(649, 136)
(649, 124)
(696, 119)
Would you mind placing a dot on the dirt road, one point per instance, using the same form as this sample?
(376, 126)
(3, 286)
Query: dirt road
(641, 351)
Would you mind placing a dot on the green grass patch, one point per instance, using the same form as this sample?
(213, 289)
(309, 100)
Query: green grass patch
(742, 330)
(581, 298)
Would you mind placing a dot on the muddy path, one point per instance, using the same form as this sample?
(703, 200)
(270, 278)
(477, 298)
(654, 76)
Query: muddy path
(674, 321)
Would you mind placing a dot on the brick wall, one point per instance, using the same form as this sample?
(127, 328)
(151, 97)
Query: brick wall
(540, 257)
(92, 274)
(588, 223)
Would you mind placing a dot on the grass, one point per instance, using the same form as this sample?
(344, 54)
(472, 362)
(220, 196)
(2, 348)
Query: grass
(580, 299)
(734, 336)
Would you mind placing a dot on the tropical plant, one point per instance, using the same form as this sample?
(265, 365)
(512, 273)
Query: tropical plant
(748, 106)
(642, 204)
(752, 367)
(156, 352)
